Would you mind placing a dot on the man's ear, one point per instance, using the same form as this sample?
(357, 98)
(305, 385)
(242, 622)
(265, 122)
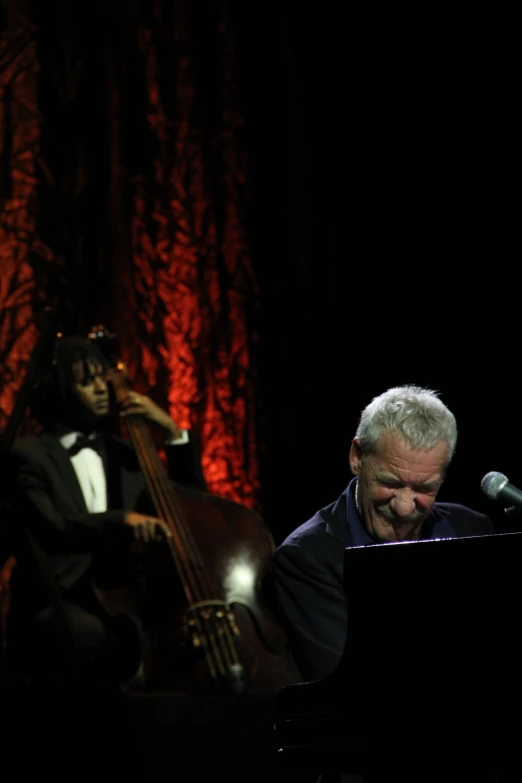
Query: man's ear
(355, 457)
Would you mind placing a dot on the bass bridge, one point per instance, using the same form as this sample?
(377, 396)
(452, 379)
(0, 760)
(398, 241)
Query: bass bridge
(210, 628)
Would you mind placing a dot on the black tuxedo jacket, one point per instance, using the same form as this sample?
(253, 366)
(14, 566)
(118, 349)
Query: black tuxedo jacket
(52, 502)
(309, 580)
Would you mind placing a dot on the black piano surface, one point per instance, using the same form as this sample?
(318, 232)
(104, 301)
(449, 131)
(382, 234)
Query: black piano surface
(431, 674)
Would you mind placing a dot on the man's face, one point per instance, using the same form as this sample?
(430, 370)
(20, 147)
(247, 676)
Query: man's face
(397, 485)
(90, 388)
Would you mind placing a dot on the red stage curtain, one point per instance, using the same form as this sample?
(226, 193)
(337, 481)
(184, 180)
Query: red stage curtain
(124, 201)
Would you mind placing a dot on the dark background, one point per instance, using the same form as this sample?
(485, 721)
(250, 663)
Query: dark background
(386, 172)
(380, 211)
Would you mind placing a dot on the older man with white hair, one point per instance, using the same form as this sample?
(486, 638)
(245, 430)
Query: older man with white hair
(404, 443)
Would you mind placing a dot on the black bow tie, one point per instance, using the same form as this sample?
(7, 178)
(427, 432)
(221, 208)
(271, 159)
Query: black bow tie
(94, 442)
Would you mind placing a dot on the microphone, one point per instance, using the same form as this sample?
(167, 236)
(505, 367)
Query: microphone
(497, 487)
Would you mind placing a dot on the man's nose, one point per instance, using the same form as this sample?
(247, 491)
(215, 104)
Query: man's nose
(403, 503)
(100, 384)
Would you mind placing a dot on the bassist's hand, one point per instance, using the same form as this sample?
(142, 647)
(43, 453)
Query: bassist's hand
(146, 528)
(140, 405)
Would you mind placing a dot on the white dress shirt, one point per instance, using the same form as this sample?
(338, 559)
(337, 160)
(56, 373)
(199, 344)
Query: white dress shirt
(88, 466)
(90, 472)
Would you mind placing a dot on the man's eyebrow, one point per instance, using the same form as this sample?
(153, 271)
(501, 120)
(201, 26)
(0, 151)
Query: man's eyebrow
(383, 476)
(390, 478)
(429, 484)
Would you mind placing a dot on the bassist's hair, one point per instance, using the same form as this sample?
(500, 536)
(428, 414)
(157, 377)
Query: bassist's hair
(52, 393)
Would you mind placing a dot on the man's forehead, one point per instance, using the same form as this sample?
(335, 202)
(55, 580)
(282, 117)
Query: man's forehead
(393, 452)
(87, 366)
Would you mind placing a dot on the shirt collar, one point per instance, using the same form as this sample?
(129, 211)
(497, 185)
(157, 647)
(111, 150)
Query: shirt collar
(359, 534)
(69, 439)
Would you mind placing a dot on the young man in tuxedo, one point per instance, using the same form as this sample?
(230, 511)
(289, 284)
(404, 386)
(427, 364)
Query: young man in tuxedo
(84, 499)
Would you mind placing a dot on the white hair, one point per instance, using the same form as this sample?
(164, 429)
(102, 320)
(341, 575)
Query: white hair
(415, 414)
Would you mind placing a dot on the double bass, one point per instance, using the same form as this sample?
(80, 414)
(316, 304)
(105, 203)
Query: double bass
(202, 610)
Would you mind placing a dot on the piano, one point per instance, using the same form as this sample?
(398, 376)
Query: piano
(431, 673)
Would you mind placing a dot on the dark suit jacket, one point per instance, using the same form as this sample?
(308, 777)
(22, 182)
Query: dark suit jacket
(309, 580)
(53, 505)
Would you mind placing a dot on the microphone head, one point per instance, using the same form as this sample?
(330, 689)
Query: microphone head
(492, 483)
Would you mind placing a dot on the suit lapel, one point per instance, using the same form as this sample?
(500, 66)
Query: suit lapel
(58, 455)
(337, 519)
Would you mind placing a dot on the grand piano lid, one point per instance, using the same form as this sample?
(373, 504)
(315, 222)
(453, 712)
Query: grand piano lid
(432, 662)
(443, 611)
(424, 618)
